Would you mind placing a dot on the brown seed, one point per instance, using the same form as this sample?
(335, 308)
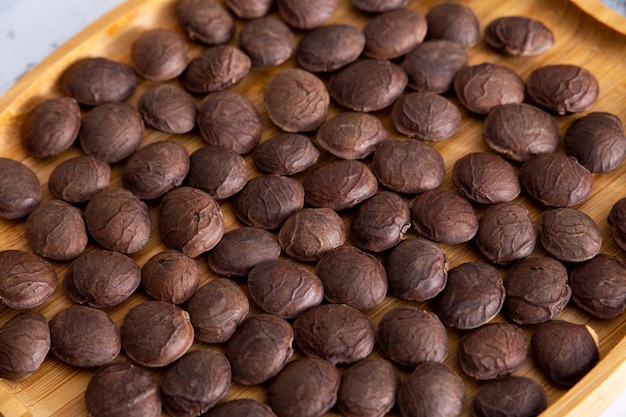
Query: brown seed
(536, 290)
(102, 279)
(597, 141)
(378, 6)
(351, 135)
(118, 220)
(311, 232)
(284, 288)
(206, 21)
(432, 65)
(241, 407)
(394, 33)
(218, 171)
(20, 191)
(519, 131)
(518, 36)
(339, 185)
(216, 310)
(230, 120)
(486, 178)
(246, 9)
(473, 295)
(482, 87)
(330, 47)
(408, 166)
(307, 387)
(24, 345)
(492, 351)
(569, 235)
(170, 276)
(367, 85)
(267, 41)
(285, 154)
(564, 351)
(443, 217)
(155, 169)
(598, 286)
(77, 179)
(410, 336)
(195, 383)
(156, 333)
(506, 233)
(453, 22)
(84, 337)
(425, 116)
(242, 249)
(417, 270)
(352, 277)
(51, 127)
(617, 220)
(168, 108)
(368, 388)
(56, 230)
(215, 69)
(95, 81)
(122, 386)
(27, 280)
(159, 54)
(380, 222)
(267, 201)
(335, 332)
(517, 394)
(432, 389)
(563, 88)
(296, 100)
(259, 349)
(305, 15)
(111, 132)
(556, 180)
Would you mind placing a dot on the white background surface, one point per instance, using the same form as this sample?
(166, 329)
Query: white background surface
(31, 29)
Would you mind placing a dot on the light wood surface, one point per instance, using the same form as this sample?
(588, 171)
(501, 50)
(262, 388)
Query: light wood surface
(57, 390)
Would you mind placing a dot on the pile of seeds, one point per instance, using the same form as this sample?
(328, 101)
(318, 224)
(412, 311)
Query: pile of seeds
(338, 218)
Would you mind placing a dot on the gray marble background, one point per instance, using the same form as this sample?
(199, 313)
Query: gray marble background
(31, 29)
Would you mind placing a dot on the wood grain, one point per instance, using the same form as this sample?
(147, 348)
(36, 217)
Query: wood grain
(56, 389)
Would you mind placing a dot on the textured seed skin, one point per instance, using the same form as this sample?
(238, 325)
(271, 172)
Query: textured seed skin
(218, 171)
(506, 233)
(432, 65)
(206, 21)
(564, 351)
(536, 290)
(432, 389)
(410, 336)
(296, 100)
(121, 389)
(520, 396)
(305, 15)
(285, 154)
(519, 36)
(168, 108)
(378, 6)
(241, 407)
(486, 178)
(556, 180)
(598, 286)
(394, 33)
(473, 295)
(563, 88)
(425, 116)
(569, 235)
(351, 135)
(267, 41)
(492, 351)
(617, 220)
(51, 127)
(24, 345)
(118, 220)
(417, 270)
(335, 332)
(246, 9)
(77, 179)
(330, 47)
(215, 69)
(453, 22)
(20, 191)
(102, 279)
(339, 185)
(307, 387)
(159, 54)
(195, 383)
(368, 388)
(27, 279)
(170, 276)
(95, 81)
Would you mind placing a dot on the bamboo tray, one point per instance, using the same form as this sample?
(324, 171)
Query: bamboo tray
(57, 390)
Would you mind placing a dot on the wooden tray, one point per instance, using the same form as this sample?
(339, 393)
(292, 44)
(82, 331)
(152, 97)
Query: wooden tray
(57, 390)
